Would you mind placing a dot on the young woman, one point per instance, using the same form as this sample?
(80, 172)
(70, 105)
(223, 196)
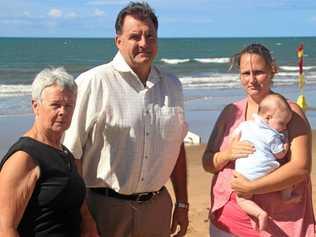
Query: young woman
(257, 69)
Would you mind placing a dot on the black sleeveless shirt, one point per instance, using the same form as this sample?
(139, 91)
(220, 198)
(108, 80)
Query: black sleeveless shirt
(54, 207)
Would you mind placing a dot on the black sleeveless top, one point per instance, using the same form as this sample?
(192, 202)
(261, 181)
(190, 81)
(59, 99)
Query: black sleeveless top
(54, 207)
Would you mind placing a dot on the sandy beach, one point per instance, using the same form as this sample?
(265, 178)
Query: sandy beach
(199, 188)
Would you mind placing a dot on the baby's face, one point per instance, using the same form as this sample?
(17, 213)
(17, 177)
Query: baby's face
(279, 121)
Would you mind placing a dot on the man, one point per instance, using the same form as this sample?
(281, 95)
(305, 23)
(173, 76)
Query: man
(127, 134)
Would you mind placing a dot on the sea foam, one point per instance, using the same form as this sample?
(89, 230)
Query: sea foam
(15, 90)
(174, 61)
(212, 60)
(200, 60)
(295, 68)
(215, 81)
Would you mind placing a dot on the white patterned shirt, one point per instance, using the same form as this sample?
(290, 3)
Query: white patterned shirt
(128, 135)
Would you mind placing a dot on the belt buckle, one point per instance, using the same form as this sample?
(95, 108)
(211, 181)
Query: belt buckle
(140, 196)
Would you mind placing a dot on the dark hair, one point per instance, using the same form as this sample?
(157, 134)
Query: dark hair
(258, 49)
(139, 10)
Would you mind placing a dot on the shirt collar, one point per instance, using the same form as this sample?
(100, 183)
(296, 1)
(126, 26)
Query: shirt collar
(120, 65)
(154, 77)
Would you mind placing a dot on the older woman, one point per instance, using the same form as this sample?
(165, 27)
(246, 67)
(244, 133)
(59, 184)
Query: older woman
(257, 69)
(40, 190)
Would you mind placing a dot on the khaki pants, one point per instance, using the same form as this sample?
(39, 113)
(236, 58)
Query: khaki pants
(123, 218)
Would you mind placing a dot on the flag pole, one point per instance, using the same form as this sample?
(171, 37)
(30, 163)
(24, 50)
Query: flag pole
(301, 101)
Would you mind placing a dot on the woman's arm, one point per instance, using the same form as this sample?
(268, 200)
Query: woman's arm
(18, 178)
(213, 159)
(295, 170)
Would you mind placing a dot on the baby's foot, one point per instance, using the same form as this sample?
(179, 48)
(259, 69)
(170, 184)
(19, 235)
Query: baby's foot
(262, 220)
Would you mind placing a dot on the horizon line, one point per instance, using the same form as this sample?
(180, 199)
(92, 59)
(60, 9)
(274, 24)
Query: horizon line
(162, 37)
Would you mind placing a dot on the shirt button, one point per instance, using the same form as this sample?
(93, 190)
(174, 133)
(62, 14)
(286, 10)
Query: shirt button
(146, 157)
(147, 133)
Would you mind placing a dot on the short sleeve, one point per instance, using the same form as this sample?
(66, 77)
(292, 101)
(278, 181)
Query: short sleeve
(276, 144)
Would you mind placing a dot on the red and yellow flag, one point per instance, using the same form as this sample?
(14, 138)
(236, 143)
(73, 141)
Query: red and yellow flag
(301, 81)
(300, 55)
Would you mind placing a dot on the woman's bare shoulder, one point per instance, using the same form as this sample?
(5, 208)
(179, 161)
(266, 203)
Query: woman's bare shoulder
(20, 164)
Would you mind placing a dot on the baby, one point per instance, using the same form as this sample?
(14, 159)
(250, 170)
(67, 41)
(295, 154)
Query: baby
(267, 132)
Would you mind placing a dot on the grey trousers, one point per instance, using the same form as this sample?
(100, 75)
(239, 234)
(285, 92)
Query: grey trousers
(123, 218)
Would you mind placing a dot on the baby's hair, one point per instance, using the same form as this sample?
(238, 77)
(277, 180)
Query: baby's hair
(274, 101)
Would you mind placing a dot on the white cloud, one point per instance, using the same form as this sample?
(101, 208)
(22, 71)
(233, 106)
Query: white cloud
(18, 22)
(313, 18)
(71, 15)
(55, 12)
(98, 12)
(51, 25)
(27, 13)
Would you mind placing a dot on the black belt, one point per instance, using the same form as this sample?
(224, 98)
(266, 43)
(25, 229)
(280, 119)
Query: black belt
(138, 197)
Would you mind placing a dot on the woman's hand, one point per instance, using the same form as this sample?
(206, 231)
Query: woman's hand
(213, 162)
(241, 185)
(239, 149)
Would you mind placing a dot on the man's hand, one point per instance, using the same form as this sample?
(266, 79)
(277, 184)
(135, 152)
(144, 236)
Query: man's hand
(179, 183)
(180, 218)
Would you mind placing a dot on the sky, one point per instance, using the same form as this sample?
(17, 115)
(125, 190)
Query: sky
(177, 18)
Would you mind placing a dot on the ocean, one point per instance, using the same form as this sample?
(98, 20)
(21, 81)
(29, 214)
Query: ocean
(202, 64)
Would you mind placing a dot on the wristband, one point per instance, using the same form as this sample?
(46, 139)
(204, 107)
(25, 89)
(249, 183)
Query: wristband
(183, 205)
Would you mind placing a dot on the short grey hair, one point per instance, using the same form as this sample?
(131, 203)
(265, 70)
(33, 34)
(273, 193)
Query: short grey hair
(50, 77)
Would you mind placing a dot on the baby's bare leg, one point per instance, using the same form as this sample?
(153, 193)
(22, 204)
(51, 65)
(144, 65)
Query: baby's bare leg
(251, 208)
